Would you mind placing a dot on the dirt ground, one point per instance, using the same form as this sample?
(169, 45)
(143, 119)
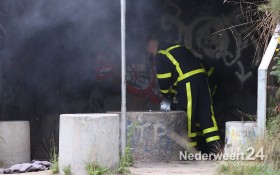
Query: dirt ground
(164, 168)
(38, 173)
(173, 168)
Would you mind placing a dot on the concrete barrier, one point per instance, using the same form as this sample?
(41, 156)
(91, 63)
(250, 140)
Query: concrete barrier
(155, 138)
(240, 136)
(14, 142)
(88, 138)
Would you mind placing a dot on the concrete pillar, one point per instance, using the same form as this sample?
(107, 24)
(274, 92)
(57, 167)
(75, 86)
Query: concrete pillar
(159, 136)
(240, 135)
(88, 138)
(14, 142)
(262, 81)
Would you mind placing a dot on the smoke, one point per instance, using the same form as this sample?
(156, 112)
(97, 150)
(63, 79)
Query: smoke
(51, 50)
(61, 53)
(63, 56)
(31, 16)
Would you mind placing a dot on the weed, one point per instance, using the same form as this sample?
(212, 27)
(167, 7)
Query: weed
(247, 170)
(271, 145)
(276, 68)
(53, 157)
(54, 161)
(95, 169)
(261, 20)
(127, 159)
(67, 170)
(271, 7)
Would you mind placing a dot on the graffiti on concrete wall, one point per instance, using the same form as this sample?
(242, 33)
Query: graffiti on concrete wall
(201, 36)
(239, 137)
(158, 129)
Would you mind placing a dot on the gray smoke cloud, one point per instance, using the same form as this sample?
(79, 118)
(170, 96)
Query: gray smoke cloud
(55, 50)
(51, 48)
(49, 59)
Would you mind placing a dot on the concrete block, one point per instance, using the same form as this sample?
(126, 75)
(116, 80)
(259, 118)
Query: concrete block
(240, 136)
(152, 139)
(14, 142)
(85, 138)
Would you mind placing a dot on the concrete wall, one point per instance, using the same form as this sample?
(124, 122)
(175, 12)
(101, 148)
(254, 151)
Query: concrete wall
(152, 134)
(240, 136)
(88, 139)
(14, 143)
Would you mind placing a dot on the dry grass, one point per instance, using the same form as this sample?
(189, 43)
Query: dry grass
(247, 170)
(270, 144)
(271, 147)
(272, 141)
(261, 20)
(272, 7)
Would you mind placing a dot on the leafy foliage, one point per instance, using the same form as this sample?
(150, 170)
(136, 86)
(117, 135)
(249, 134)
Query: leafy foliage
(276, 68)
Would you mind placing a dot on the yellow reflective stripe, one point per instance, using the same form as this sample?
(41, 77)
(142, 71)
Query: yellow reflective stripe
(189, 110)
(177, 65)
(166, 75)
(214, 91)
(277, 50)
(173, 60)
(164, 91)
(212, 129)
(193, 144)
(211, 139)
(172, 47)
(212, 111)
(194, 134)
(215, 127)
(210, 71)
(191, 73)
(173, 91)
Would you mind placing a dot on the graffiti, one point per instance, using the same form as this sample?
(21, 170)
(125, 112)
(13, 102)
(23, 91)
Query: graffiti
(142, 129)
(198, 36)
(241, 73)
(240, 137)
(141, 81)
(158, 131)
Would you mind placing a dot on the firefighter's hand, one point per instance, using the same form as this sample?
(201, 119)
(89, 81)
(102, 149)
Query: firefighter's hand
(165, 105)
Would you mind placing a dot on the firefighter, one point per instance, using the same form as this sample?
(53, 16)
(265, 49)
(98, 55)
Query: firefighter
(178, 69)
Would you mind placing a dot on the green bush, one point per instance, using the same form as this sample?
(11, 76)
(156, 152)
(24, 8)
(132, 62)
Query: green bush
(276, 68)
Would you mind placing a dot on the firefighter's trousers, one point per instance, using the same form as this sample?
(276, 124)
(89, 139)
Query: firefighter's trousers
(194, 97)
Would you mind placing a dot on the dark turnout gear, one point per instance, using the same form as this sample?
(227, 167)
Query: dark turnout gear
(178, 68)
(212, 78)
